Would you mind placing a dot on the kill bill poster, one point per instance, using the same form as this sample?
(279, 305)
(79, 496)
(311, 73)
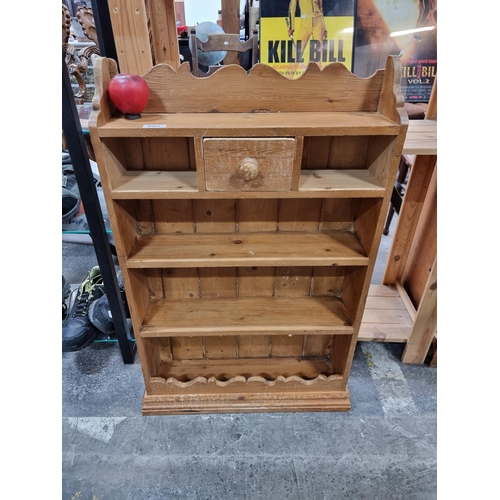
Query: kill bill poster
(407, 28)
(296, 32)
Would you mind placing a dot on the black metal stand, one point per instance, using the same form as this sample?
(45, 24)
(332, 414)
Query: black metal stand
(102, 20)
(84, 177)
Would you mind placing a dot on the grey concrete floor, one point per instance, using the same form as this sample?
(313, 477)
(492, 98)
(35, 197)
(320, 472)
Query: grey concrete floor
(384, 448)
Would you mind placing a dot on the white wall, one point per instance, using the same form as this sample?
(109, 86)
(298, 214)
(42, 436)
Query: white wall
(198, 11)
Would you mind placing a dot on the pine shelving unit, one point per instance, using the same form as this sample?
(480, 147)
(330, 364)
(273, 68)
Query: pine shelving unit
(247, 211)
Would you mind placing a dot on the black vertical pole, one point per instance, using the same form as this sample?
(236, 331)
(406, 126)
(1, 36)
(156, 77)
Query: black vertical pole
(85, 180)
(104, 29)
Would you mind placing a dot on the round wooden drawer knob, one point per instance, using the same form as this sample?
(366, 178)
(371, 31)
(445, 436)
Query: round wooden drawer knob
(249, 168)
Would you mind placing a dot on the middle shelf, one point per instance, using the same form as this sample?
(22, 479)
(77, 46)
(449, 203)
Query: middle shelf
(246, 315)
(318, 183)
(324, 248)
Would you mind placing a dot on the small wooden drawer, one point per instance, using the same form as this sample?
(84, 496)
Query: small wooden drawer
(256, 164)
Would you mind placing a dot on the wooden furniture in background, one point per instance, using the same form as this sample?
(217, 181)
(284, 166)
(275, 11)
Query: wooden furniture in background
(231, 25)
(247, 211)
(145, 32)
(410, 277)
(225, 42)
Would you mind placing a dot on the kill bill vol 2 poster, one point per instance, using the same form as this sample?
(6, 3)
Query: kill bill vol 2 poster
(407, 28)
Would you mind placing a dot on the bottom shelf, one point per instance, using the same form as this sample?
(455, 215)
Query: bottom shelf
(245, 385)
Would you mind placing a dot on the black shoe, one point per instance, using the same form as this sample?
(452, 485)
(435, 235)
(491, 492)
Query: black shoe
(71, 199)
(77, 331)
(66, 290)
(100, 313)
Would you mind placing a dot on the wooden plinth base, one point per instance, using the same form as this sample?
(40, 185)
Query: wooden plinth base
(240, 403)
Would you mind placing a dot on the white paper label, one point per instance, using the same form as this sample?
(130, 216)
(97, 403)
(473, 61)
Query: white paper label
(155, 126)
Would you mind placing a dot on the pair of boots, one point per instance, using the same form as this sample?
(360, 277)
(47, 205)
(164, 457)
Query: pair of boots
(88, 313)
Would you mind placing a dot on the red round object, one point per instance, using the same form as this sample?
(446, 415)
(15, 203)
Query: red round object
(129, 93)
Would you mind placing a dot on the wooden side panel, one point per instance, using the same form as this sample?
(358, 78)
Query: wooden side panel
(138, 297)
(103, 107)
(340, 357)
(112, 155)
(123, 214)
(380, 158)
(365, 224)
(351, 293)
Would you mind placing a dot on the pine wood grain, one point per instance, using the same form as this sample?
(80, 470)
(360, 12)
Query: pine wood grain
(313, 184)
(274, 159)
(230, 124)
(247, 249)
(266, 368)
(232, 89)
(164, 32)
(249, 315)
(129, 20)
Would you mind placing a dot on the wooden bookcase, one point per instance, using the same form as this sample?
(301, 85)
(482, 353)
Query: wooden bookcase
(247, 211)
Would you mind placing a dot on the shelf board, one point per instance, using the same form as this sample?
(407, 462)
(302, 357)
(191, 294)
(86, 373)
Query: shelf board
(348, 183)
(246, 315)
(146, 184)
(325, 248)
(250, 125)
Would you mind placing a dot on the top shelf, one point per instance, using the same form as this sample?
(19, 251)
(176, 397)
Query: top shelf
(250, 124)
